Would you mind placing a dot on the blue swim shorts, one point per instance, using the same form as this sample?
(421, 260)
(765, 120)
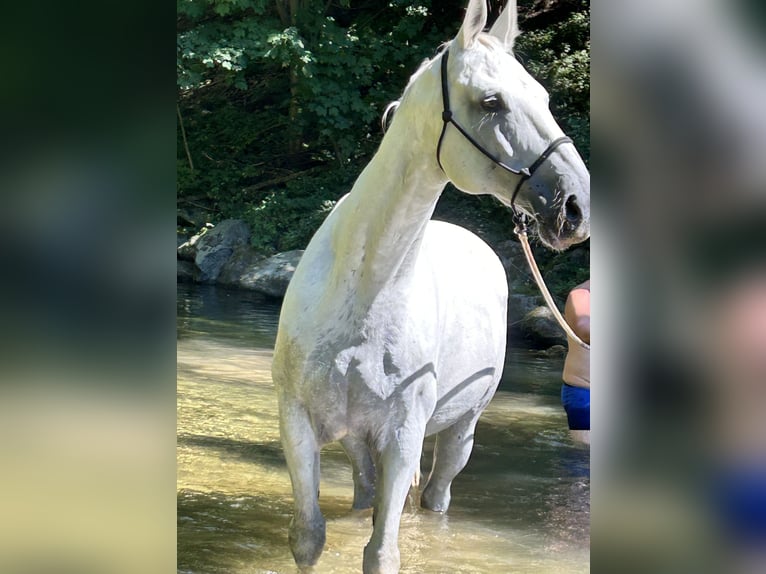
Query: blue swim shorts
(739, 495)
(576, 401)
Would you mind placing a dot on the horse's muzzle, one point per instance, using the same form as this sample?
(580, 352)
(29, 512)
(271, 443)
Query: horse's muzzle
(564, 225)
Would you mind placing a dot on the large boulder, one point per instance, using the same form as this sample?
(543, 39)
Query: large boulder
(519, 305)
(243, 259)
(541, 330)
(187, 250)
(216, 246)
(271, 276)
(184, 271)
(555, 352)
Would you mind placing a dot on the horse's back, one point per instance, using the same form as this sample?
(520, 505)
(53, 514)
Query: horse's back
(458, 255)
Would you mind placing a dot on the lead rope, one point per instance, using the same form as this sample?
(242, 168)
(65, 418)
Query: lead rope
(521, 232)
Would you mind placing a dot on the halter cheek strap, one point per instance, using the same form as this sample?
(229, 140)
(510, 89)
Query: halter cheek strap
(447, 118)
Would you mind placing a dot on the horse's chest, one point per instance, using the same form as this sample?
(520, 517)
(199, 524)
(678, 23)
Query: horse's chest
(374, 359)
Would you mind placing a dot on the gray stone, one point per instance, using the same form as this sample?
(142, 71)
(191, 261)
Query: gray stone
(188, 249)
(243, 259)
(216, 246)
(271, 276)
(540, 328)
(519, 305)
(555, 352)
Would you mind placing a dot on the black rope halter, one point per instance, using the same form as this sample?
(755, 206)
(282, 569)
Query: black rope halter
(525, 173)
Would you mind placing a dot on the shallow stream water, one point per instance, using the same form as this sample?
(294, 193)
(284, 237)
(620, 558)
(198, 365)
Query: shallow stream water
(521, 505)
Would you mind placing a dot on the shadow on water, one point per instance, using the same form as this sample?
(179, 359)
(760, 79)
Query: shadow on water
(521, 504)
(261, 453)
(220, 533)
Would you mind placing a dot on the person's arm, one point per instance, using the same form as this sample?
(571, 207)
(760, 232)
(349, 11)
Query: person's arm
(577, 312)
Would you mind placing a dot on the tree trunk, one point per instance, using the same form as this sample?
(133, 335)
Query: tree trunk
(183, 137)
(295, 139)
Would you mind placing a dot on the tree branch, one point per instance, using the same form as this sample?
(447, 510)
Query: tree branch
(278, 180)
(183, 136)
(195, 204)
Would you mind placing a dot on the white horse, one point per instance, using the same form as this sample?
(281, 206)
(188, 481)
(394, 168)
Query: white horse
(393, 327)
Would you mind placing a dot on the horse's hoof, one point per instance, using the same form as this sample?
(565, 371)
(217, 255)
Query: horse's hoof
(437, 502)
(306, 543)
(380, 562)
(363, 502)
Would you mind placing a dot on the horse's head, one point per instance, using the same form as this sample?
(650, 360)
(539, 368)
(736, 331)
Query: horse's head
(507, 131)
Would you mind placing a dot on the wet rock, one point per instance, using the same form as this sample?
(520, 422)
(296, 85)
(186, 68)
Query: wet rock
(540, 329)
(520, 305)
(271, 276)
(243, 259)
(187, 250)
(556, 352)
(216, 246)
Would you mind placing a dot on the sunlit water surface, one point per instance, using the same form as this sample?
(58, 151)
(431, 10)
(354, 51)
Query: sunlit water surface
(521, 505)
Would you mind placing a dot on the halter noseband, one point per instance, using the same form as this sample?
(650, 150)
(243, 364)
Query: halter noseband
(447, 118)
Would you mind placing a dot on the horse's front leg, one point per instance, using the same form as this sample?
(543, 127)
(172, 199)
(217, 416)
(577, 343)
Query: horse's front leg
(398, 462)
(307, 527)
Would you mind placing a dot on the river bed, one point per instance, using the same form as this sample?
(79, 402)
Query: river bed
(522, 504)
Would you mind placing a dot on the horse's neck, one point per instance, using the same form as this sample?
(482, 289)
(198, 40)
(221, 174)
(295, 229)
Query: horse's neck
(382, 221)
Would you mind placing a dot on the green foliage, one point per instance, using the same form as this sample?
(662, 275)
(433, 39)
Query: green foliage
(281, 110)
(285, 219)
(564, 270)
(559, 57)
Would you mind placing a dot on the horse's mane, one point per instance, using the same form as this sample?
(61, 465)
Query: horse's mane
(491, 42)
(487, 40)
(390, 110)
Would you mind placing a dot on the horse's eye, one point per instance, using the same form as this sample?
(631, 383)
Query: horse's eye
(492, 103)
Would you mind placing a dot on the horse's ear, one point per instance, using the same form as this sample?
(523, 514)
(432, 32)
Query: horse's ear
(473, 24)
(506, 26)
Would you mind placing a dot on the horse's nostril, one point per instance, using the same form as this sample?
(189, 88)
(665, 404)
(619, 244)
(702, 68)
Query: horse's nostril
(572, 211)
